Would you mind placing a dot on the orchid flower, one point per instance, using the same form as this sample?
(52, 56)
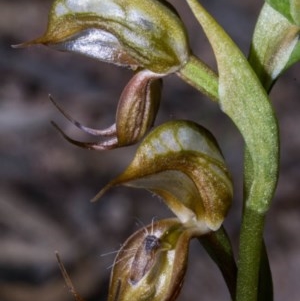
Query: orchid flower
(146, 36)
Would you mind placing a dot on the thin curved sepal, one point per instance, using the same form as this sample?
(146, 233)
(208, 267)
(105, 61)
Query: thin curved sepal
(136, 112)
(67, 279)
(108, 132)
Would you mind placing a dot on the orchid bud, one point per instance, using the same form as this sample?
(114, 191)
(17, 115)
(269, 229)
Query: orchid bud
(134, 33)
(136, 113)
(181, 162)
(151, 264)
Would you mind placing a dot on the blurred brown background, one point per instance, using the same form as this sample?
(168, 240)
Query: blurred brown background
(46, 183)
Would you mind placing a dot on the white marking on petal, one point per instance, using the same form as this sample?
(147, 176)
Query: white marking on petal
(158, 147)
(60, 9)
(107, 8)
(167, 137)
(197, 142)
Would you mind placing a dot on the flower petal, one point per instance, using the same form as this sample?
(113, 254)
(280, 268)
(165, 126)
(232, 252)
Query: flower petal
(144, 33)
(181, 162)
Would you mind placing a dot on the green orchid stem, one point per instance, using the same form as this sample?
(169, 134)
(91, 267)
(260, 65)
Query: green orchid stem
(251, 241)
(254, 280)
(217, 245)
(201, 77)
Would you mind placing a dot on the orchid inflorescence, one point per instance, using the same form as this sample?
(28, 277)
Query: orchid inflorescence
(180, 161)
